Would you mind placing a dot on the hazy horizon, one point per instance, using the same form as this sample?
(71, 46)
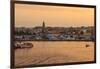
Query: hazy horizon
(53, 16)
(50, 26)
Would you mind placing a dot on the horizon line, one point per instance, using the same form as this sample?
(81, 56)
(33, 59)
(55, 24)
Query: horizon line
(54, 26)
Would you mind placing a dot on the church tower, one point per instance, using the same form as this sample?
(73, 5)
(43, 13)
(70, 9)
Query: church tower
(43, 30)
(43, 27)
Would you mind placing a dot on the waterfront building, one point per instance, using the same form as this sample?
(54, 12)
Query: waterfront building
(43, 31)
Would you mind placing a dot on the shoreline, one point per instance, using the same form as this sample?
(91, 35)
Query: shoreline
(60, 40)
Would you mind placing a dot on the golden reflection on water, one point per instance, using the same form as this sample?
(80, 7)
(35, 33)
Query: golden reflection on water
(49, 52)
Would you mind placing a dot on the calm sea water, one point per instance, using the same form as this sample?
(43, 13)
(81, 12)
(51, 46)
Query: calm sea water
(54, 52)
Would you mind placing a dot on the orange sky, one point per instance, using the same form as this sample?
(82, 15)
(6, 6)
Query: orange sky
(33, 15)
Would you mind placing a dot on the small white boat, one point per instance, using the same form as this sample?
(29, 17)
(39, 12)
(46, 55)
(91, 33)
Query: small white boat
(23, 45)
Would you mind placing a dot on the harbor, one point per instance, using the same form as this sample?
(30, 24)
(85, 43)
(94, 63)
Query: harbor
(54, 53)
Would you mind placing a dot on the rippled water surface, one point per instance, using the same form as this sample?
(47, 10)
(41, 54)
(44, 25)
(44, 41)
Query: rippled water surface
(54, 52)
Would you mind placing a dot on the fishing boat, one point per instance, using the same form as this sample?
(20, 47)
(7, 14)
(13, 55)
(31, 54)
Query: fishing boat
(23, 45)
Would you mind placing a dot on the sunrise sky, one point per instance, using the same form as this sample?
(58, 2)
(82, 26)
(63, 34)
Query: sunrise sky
(55, 16)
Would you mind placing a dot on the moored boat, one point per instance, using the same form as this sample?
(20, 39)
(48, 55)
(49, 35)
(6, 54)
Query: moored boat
(23, 45)
(87, 45)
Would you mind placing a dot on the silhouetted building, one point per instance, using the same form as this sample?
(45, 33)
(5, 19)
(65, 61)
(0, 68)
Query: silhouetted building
(43, 27)
(43, 31)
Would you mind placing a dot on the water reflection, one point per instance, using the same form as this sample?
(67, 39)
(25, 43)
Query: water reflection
(49, 52)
